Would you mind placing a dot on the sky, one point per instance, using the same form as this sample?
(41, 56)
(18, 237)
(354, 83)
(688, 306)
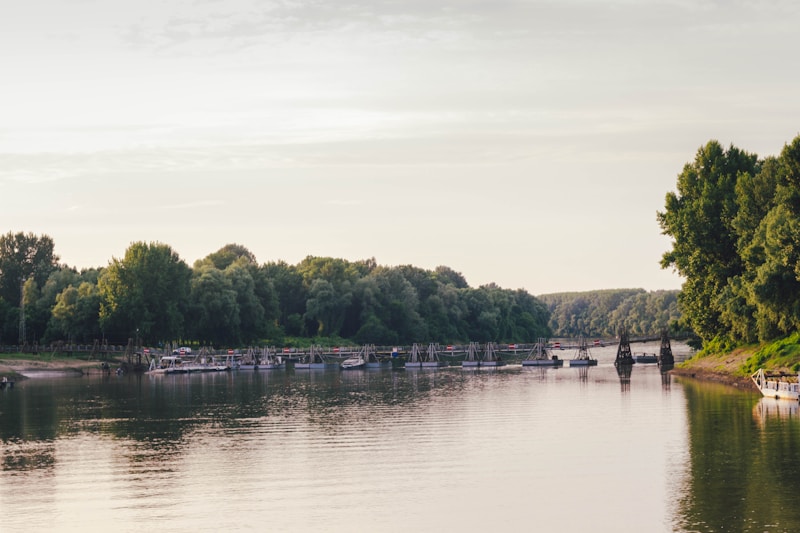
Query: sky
(525, 143)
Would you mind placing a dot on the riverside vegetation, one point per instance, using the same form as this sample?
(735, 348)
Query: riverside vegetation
(228, 299)
(734, 221)
(735, 225)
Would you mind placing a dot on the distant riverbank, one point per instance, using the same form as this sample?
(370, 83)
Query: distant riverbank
(728, 368)
(22, 366)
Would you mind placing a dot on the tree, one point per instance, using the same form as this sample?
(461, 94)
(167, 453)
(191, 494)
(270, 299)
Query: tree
(290, 293)
(76, 312)
(699, 218)
(326, 306)
(227, 255)
(252, 325)
(145, 293)
(24, 256)
(213, 310)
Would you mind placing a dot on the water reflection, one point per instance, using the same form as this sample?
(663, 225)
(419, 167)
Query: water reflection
(771, 411)
(624, 372)
(666, 377)
(296, 449)
(745, 462)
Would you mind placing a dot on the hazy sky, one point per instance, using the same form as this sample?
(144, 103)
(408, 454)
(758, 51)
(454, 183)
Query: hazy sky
(527, 143)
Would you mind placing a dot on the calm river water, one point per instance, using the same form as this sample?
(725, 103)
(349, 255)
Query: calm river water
(505, 450)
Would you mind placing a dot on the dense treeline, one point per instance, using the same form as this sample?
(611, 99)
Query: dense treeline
(603, 313)
(229, 299)
(735, 225)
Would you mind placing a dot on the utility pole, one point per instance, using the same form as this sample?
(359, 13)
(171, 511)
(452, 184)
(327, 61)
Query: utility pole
(22, 334)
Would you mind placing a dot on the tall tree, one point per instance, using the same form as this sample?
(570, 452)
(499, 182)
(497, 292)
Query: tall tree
(229, 254)
(24, 256)
(213, 310)
(145, 293)
(699, 218)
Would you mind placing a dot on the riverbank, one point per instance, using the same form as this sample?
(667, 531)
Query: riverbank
(17, 367)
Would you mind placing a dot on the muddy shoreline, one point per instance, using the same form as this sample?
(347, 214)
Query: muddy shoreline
(702, 374)
(21, 369)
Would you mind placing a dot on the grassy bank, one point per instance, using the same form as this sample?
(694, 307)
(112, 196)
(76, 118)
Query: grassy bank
(735, 366)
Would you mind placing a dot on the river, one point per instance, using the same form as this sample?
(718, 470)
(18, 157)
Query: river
(430, 450)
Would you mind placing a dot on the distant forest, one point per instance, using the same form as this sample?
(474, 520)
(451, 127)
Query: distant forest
(228, 299)
(604, 313)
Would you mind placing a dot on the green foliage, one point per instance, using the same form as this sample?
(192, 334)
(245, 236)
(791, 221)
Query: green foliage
(735, 222)
(145, 294)
(699, 217)
(780, 354)
(603, 313)
(226, 299)
(24, 256)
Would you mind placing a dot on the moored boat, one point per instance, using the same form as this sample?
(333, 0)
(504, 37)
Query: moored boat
(646, 358)
(782, 386)
(352, 363)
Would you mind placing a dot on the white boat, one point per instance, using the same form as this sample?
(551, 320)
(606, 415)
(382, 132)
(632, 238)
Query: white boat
(539, 356)
(167, 364)
(583, 357)
(353, 362)
(785, 387)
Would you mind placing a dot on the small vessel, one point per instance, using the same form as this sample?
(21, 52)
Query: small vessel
(781, 386)
(167, 364)
(646, 358)
(353, 362)
(583, 357)
(539, 356)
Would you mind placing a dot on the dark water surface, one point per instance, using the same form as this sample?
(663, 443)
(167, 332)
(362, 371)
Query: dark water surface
(512, 449)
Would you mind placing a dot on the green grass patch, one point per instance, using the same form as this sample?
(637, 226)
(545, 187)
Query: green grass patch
(47, 357)
(782, 354)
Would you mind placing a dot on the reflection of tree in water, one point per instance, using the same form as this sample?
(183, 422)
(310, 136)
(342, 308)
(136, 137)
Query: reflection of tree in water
(366, 396)
(742, 477)
(23, 456)
(157, 418)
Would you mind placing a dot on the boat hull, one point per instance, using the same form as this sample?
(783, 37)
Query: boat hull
(316, 366)
(265, 366)
(543, 362)
(353, 364)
